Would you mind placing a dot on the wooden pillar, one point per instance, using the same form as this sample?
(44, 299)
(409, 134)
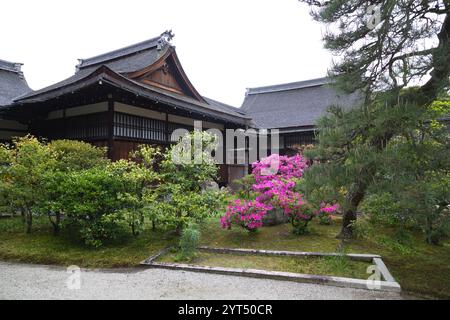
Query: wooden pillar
(110, 128)
(166, 128)
(224, 170)
(65, 124)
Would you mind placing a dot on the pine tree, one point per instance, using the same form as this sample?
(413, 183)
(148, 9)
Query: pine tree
(384, 47)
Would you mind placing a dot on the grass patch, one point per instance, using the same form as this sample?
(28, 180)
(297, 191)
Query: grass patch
(327, 266)
(41, 247)
(418, 267)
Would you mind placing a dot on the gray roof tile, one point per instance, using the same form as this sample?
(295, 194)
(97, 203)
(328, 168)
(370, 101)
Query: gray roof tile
(222, 105)
(295, 104)
(144, 50)
(129, 59)
(12, 82)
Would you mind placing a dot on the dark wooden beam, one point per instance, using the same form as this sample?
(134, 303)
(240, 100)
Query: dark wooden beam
(167, 128)
(110, 127)
(65, 123)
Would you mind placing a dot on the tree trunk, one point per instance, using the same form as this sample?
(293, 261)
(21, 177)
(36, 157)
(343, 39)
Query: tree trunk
(441, 63)
(354, 197)
(179, 229)
(56, 223)
(29, 218)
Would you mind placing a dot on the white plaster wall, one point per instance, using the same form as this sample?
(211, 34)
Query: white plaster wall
(136, 111)
(78, 111)
(128, 109)
(6, 134)
(10, 124)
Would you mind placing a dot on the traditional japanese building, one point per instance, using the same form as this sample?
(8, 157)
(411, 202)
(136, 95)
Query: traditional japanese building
(12, 85)
(140, 94)
(294, 109)
(135, 95)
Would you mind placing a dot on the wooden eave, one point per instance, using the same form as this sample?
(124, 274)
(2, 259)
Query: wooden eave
(105, 75)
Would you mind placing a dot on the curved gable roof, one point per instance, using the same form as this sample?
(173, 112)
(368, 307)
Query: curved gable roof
(131, 63)
(103, 74)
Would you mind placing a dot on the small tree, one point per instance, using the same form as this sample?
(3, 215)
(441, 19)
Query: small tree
(91, 202)
(5, 178)
(415, 171)
(189, 240)
(70, 156)
(385, 46)
(135, 179)
(186, 166)
(30, 160)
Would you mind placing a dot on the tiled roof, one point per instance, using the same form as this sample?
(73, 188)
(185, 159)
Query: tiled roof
(291, 105)
(12, 82)
(129, 59)
(88, 77)
(126, 60)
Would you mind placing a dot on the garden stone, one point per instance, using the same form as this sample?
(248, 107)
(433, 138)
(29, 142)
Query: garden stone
(209, 186)
(274, 217)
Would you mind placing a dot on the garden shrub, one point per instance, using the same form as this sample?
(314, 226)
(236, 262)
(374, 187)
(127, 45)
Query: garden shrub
(382, 208)
(5, 164)
(245, 187)
(176, 208)
(179, 199)
(90, 203)
(72, 155)
(275, 189)
(419, 205)
(135, 179)
(32, 172)
(426, 204)
(78, 188)
(247, 214)
(363, 228)
(324, 213)
(189, 241)
(24, 168)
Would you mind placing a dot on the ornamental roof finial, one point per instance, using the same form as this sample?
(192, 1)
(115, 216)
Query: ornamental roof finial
(165, 38)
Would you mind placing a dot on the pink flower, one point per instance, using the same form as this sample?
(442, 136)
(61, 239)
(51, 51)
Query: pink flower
(247, 214)
(329, 209)
(275, 189)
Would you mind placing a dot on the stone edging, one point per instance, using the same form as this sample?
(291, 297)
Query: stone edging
(387, 284)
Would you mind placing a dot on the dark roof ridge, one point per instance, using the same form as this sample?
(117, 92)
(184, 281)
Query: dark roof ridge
(230, 107)
(160, 40)
(289, 86)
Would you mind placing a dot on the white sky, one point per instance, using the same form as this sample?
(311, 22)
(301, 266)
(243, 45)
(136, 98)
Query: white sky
(224, 46)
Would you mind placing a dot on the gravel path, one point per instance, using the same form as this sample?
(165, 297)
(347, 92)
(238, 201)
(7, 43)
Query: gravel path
(20, 281)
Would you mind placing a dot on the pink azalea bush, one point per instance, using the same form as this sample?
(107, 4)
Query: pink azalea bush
(325, 211)
(275, 181)
(247, 214)
(276, 167)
